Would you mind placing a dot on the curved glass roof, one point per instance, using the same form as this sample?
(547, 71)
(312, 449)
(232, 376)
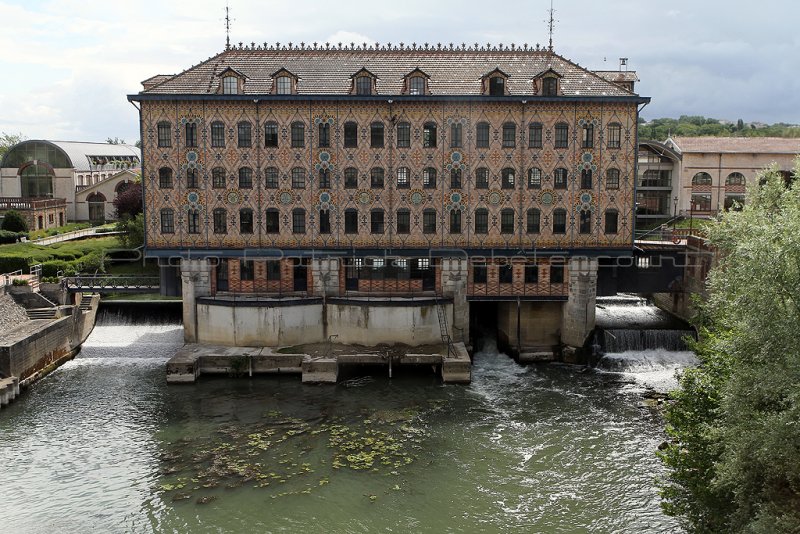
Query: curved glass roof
(82, 157)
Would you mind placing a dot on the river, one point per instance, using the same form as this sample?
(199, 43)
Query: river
(103, 444)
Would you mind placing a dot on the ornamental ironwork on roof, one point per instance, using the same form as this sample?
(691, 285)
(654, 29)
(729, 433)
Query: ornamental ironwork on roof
(324, 69)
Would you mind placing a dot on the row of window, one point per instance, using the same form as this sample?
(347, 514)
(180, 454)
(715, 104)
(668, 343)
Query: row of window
(244, 138)
(505, 274)
(378, 224)
(703, 178)
(377, 177)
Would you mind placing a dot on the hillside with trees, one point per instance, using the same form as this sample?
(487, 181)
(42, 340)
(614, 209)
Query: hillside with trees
(689, 126)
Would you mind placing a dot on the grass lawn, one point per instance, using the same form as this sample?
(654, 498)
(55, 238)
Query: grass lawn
(22, 255)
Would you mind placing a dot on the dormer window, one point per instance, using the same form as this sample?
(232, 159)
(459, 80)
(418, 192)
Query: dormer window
(284, 83)
(495, 83)
(363, 85)
(416, 85)
(546, 83)
(230, 85)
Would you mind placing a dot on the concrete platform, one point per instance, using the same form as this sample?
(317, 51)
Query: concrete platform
(193, 360)
(9, 390)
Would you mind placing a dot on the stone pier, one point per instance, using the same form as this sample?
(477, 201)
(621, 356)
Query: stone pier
(578, 319)
(195, 282)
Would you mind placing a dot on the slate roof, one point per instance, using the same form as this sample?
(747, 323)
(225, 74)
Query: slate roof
(748, 145)
(618, 76)
(453, 71)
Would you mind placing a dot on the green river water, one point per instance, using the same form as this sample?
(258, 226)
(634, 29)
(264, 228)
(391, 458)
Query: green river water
(104, 445)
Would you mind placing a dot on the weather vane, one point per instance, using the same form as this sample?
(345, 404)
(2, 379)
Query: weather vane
(227, 27)
(551, 24)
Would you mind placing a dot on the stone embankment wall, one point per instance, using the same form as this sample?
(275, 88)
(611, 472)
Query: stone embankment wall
(11, 313)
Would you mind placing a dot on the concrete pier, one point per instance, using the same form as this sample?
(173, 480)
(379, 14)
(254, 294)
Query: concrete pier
(194, 360)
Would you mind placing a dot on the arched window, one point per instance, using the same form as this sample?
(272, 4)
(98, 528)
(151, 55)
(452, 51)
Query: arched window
(245, 134)
(97, 209)
(217, 134)
(283, 85)
(562, 135)
(376, 221)
(481, 221)
(271, 177)
(429, 178)
(612, 179)
(350, 221)
(614, 135)
(298, 178)
(324, 138)
(586, 179)
(220, 221)
(612, 218)
(298, 221)
(559, 221)
(351, 178)
(535, 135)
(560, 178)
(534, 218)
(550, 86)
(403, 221)
(482, 135)
(191, 179)
(230, 85)
(429, 221)
(165, 178)
(324, 179)
(376, 135)
(164, 134)
(701, 178)
(376, 176)
(350, 134)
(429, 135)
(456, 135)
(245, 221)
(218, 178)
(497, 86)
(455, 221)
(245, 178)
(587, 136)
(403, 178)
(272, 221)
(509, 135)
(507, 221)
(271, 134)
(585, 222)
(403, 135)
(363, 85)
(298, 135)
(534, 178)
(193, 221)
(508, 178)
(167, 220)
(416, 85)
(455, 179)
(482, 178)
(735, 178)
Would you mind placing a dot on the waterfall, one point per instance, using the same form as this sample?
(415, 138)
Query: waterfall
(623, 340)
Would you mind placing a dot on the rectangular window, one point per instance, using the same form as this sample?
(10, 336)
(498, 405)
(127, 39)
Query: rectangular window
(535, 135)
(612, 179)
(350, 178)
(351, 221)
(560, 178)
(429, 222)
(220, 221)
(456, 135)
(298, 135)
(556, 274)
(559, 222)
(429, 135)
(376, 221)
(193, 221)
(245, 134)
(403, 135)
(612, 218)
(271, 177)
(298, 178)
(403, 222)
(505, 273)
(455, 179)
(217, 135)
(587, 141)
(376, 135)
(165, 178)
(324, 135)
(164, 135)
(271, 222)
(167, 221)
(534, 178)
(246, 270)
(376, 178)
(246, 221)
(508, 180)
(482, 135)
(429, 178)
(191, 134)
(614, 136)
(562, 135)
(191, 179)
(534, 218)
(403, 179)
(245, 178)
(586, 179)
(585, 222)
(270, 135)
(507, 221)
(532, 274)
(298, 221)
(350, 135)
(481, 221)
(324, 222)
(273, 270)
(479, 273)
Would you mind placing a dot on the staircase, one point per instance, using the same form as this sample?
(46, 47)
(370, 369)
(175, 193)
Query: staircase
(443, 330)
(42, 313)
(86, 302)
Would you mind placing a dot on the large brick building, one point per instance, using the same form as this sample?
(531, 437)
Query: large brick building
(399, 163)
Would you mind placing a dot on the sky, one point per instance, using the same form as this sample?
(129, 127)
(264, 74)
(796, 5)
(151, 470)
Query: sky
(68, 64)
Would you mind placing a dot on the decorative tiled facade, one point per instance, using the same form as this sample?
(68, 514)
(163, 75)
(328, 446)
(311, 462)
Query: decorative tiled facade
(405, 213)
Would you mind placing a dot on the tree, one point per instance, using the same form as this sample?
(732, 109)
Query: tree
(8, 140)
(133, 228)
(115, 141)
(734, 457)
(129, 202)
(13, 221)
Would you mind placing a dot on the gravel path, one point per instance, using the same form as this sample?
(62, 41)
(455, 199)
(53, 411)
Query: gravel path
(11, 314)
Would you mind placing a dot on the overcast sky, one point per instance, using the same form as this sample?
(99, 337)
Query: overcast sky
(68, 64)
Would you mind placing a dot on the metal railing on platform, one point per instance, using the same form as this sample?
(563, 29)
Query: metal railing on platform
(112, 283)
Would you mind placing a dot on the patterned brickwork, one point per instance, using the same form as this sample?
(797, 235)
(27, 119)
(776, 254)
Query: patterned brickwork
(365, 198)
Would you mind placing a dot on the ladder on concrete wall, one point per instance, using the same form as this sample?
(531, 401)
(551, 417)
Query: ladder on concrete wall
(443, 330)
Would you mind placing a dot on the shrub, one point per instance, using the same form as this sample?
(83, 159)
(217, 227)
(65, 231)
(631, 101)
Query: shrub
(14, 222)
(19, 282)
(7, 237)
(50, 279)
(9, 264)
(51, 268)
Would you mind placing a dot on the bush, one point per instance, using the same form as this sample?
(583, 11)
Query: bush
(50, 280)
(14, 222)
(7, 236)
(9, 264)
(19, 282)
(51, 268)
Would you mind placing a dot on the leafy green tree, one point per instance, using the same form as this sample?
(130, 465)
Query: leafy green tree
(734, 456)
(8, 140)
(13, 221)
(134, 231)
